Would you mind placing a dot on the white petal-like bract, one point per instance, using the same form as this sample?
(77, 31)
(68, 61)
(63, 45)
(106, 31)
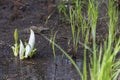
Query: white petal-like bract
(30, 44)
(21, 51)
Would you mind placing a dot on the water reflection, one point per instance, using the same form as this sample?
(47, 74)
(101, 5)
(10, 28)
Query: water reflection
(63, 70)
(38, 69)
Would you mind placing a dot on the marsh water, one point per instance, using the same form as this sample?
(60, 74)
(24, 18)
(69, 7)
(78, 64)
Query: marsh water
(42, 66)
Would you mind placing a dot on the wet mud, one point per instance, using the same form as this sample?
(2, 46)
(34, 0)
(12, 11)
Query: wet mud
(42, 66)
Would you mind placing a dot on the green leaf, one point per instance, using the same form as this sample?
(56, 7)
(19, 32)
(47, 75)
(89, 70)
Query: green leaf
(33, 52)
(16, 36)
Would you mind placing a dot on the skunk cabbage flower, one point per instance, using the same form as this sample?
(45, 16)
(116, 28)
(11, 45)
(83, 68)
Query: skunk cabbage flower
(21, 51)
(30, 46)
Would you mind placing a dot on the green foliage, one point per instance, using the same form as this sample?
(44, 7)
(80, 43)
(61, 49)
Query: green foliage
(15, 48)
(62, 9)
(76, 22)
(33, 52)
(52, 45)
(92, 18)
(16, 36)
(64, 52)
(103, 64)
(24, 53)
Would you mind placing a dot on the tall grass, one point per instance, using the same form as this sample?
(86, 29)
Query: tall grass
(103, 63)
(85, 72)
(92, 18)
(63, 51)
(77, 22)
(52, 39)
(110, 47)
(103, 57)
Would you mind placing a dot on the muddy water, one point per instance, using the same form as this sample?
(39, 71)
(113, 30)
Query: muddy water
(41, 66)
(37, 68)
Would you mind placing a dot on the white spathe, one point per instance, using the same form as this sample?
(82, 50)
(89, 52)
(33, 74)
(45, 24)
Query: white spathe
(30, 45)
(21, 51)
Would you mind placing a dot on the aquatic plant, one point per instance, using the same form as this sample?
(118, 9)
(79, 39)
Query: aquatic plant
(15, 48)
(29, 50)
(103, 63)
(75, 21)
(106, 63)
(63, 51)
(62, 9)
(92, 18)
(52, 39)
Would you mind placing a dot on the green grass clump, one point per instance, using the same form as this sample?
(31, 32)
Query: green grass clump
(103, 63)
(77, 24)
